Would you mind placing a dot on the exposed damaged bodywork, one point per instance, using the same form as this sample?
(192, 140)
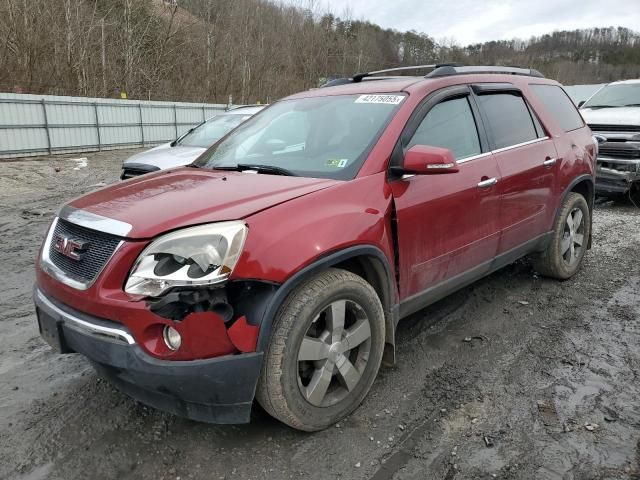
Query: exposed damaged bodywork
(231, 316)
(618, 164)
(618, 167)
(617, 178)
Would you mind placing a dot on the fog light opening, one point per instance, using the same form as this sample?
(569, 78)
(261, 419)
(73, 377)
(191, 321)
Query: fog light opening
(172, 338)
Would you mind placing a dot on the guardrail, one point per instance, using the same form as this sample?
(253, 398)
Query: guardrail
(39, 125)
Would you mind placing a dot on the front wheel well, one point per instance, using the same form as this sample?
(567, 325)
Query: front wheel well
(374, 273)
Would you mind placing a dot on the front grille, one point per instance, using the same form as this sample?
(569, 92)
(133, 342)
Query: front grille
(614, 128)
(619, 152)
(100, 247)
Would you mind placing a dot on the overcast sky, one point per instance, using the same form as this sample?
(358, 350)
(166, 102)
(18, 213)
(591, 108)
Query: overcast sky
(470, 21)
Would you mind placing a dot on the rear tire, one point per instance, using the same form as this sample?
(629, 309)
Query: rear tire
(315, 371)
(571, 232)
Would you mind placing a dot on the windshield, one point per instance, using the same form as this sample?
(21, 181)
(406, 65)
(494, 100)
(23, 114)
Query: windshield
(325, 137)
(619, 95)
(209, 132)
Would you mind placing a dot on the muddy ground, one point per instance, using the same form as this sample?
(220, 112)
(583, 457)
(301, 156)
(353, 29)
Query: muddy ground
(517, 377)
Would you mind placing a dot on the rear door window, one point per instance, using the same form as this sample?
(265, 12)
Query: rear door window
(508, 119)
(558, 103)
(451, 125)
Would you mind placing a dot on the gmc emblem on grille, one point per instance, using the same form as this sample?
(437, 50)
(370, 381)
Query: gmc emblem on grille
(74, 249)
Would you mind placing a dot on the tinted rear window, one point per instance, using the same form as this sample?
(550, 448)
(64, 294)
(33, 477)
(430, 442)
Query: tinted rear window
(509, 119)
(558, 103)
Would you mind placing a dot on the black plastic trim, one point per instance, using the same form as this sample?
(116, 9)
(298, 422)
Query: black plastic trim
(441, 290)
(319, 265)
(214, 390)
(488, 88)
(484, 69)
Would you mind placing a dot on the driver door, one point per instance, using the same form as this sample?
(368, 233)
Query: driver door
(448, 224)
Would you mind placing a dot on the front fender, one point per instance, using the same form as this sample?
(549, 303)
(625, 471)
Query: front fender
(282, 240)
(292, 241)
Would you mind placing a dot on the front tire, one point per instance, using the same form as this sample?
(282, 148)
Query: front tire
(572, 230)
(325, 351)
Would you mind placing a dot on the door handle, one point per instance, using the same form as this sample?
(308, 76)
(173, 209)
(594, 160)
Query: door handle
(549, 162)
(489, 182)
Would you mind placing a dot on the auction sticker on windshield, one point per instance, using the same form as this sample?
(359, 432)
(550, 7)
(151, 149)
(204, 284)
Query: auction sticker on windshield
(337, 162)
(388, 99)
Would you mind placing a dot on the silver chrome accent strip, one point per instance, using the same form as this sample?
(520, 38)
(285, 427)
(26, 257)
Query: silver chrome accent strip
(49, 267)
(473, 157)
(504, 149)
(94, 221)
(83, 326)
(498, 150)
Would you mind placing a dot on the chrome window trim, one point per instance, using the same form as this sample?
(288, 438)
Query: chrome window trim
(116, 334)
(517, 145)
(473, 157)
(94, 221)
(499, 150)
(52, 269)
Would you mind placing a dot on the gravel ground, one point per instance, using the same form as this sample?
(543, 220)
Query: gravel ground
(516, 377)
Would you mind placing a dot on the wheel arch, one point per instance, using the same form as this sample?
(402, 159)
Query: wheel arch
(585, 186)
(367, 261)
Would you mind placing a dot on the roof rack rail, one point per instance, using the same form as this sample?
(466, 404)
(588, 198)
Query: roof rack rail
(437, 70)
(446, 70)
(359, 76)
(345, 81)
(236, 107)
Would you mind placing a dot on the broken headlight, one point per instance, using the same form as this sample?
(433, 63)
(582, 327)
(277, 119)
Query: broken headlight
(194, 256)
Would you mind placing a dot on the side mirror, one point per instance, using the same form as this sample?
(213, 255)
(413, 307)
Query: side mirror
(580, 103)
(427, 160)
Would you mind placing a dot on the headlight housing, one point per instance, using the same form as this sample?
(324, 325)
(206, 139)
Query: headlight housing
(194, 256)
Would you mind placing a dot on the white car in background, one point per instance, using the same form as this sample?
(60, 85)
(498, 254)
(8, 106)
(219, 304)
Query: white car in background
(613, 114)
(189, 146)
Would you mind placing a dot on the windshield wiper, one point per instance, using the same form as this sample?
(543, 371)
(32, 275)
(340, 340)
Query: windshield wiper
(632, 105)
(268, 169)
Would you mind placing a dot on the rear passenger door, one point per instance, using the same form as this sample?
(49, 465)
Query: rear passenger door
(527, 161)
(447, 224)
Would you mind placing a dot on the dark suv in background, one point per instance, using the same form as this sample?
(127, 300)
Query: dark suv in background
(279, 264)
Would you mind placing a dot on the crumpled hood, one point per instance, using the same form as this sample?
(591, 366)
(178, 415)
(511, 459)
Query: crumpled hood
(611, 116)
(163, 201)
(166, 156)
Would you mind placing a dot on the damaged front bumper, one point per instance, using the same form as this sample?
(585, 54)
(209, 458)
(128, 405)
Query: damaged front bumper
(214, 390)
(616, 176)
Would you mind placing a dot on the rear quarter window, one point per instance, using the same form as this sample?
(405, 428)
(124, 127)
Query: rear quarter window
(558, 104)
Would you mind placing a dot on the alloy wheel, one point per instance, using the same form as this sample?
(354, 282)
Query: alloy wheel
(572, 241)
(334, 353)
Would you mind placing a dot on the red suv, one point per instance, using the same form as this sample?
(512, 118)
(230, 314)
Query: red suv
(278, 265)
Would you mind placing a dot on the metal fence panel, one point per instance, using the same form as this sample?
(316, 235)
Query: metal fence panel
(36, 125)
